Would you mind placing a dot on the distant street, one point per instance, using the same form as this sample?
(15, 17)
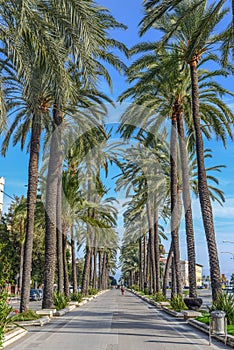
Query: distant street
(115, 322)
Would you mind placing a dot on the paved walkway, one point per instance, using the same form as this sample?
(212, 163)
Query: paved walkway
(115, 322)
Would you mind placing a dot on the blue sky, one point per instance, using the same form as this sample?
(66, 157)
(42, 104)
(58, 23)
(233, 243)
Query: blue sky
(14, 166)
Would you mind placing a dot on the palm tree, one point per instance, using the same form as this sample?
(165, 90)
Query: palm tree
(155, 10)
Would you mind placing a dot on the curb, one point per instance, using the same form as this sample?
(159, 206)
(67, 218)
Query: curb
(38, 322)
(65, 310)
(13, 335)
(173, 312)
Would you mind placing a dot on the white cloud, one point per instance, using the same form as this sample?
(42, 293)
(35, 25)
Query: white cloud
(225, 211)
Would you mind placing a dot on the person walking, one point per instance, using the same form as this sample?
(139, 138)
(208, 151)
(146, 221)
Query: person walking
(122, 289)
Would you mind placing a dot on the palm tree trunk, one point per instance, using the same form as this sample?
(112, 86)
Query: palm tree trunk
(187, 207)
(99, 268)
(22, 239)
(174, 205)
(141, 282)
(95, 266)
(31, 203)
(60, 265)
(148, 271)
(85, 279)
(91, 268)
(65, 267)
(145, 263)
(173, 278)
(21, 266)
(105, 270)
(51, 205)
(151, 244)
(167, 270)
(206, 208)
(73, 254)
(156, 247)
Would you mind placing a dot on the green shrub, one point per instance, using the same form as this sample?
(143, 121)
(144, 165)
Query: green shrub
(6, 317)
(147, 291)
(60, 300)
(177, 303)
(230, 329)
(225, 302)
(159, 297)
(135, 287)
(92, 291)
(76, 297)
(205, 318)
(142, 293)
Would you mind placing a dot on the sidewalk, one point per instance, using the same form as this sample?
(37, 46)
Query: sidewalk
(115, 322)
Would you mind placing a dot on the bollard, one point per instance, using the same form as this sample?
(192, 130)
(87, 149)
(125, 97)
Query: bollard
(218, 324)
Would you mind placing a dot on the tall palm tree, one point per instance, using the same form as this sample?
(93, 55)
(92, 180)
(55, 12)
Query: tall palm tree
(155, 10)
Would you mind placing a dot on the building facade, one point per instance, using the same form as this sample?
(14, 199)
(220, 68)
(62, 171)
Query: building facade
(184, 273)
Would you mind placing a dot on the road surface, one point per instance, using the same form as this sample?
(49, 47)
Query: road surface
(115, 322)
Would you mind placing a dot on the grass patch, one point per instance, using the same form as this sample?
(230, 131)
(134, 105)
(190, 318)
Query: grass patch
(204, 319)
(230, 329)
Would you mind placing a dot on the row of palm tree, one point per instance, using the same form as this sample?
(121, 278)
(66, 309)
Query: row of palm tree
(54, 55)
(145, 217)
(171, 81)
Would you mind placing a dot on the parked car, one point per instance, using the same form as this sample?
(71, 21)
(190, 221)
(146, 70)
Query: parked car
(40, 291)
(34, 295)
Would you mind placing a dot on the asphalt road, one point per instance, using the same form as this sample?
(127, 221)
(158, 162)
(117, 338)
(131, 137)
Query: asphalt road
(115, 322)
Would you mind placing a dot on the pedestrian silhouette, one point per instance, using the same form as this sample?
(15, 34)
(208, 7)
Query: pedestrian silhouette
(122, 289)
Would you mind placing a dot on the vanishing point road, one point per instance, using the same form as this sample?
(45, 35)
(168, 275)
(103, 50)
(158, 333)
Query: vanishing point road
(115, 322)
